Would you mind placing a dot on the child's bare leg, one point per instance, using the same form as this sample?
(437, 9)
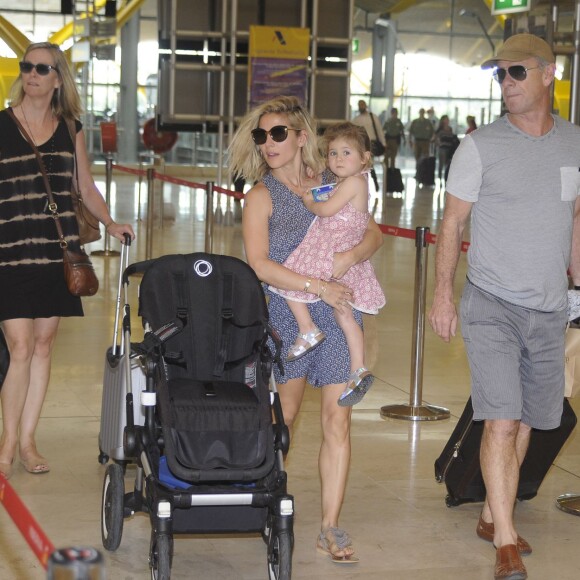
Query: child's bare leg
(302, 316)
(361, 379)
(354, 336)
(309, 335)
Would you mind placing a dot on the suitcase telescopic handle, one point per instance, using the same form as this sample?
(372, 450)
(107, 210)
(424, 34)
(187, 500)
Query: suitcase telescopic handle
(123, 263)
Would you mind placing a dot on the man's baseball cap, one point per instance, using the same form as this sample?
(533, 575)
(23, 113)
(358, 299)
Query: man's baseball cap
(520, 47)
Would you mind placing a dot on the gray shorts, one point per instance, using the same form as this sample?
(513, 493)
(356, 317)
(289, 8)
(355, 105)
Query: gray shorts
(516, 357)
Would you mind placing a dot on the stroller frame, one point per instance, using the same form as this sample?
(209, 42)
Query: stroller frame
(224, 500)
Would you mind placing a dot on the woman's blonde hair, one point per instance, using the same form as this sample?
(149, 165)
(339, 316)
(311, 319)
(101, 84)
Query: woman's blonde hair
(356, 135)
(66, 101)
(244, 156)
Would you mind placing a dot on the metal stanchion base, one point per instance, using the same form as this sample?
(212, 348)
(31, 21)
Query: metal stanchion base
(412, 413)
(105, 253)
(569, 503)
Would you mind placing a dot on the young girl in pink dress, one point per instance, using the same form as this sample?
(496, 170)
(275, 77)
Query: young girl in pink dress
(340, 225)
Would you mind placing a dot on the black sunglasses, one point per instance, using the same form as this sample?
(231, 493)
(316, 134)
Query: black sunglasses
(278, 133)
(41, 69)
(518, 72)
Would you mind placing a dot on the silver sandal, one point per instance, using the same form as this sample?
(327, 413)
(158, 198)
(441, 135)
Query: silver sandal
(312, 339)
(358, 384)
(333, 540)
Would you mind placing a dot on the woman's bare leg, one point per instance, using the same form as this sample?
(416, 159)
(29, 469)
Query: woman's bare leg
(19, 335)
(45, 330)
(334, 458)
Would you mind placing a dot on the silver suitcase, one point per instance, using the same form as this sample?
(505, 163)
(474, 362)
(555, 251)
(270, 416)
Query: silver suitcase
(123, 374)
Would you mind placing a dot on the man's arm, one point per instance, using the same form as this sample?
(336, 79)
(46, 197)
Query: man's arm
(575, 254)
(443, 314)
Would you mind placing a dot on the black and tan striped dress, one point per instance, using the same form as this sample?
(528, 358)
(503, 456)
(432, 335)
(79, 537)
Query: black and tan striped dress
(31, 270)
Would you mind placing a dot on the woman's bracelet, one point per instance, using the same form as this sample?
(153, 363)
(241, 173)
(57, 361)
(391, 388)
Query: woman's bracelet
(307, 285)
(107, 226)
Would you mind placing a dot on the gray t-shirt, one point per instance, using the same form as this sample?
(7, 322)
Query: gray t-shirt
(523, 190)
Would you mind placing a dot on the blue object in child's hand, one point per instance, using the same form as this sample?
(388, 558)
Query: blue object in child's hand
(321, 193)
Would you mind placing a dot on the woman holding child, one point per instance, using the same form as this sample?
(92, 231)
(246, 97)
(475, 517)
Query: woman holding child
(284, 159)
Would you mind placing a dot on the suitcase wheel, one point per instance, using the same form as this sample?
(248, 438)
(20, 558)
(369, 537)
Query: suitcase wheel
(451, 501)
(103, 458)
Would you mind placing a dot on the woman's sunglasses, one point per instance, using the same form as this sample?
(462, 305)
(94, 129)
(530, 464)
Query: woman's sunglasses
(278, 133)
(518, 72)
(41, 69)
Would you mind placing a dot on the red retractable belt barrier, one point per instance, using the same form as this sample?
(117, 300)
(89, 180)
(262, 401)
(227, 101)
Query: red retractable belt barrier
(25, 522)
(386, 229)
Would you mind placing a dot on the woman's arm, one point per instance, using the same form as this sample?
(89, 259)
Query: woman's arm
(92, 197)
(257, 210)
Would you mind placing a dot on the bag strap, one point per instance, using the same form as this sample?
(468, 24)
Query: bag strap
(70, 124)
(226, 318)
(374, 126)
(51, 203)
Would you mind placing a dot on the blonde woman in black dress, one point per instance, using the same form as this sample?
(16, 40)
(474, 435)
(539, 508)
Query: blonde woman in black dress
(33, 293)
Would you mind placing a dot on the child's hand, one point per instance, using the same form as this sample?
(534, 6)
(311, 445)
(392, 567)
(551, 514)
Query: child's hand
(341, 262)
(308, 199)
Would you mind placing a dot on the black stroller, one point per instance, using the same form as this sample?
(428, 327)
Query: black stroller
(209, 455)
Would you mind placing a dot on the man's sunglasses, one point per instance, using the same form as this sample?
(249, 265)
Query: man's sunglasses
(41, 69)
(278, 133)
(518, 72)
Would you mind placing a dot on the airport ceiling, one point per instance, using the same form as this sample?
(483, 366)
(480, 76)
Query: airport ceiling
(461, 30)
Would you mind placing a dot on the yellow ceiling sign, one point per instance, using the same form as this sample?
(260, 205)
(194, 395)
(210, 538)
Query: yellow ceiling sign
(279, 42)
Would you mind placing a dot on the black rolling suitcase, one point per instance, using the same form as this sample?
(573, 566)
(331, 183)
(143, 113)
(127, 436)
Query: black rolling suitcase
(394, 180)
(426, 171)
(458, 465)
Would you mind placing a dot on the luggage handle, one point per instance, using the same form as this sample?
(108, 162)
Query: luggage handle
(123, 263)
(456, 451)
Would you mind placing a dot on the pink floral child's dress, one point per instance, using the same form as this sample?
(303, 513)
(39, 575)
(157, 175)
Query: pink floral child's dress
(313, 258)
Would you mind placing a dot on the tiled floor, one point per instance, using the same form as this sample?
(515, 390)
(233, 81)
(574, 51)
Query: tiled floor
(394, 508)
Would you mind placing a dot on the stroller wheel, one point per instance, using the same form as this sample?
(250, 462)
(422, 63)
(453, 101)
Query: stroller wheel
(267, 529)
(112, 507)
(161, 556)
(280, 556)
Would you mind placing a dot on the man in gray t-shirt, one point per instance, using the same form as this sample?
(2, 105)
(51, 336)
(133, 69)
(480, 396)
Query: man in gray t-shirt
(519, 180)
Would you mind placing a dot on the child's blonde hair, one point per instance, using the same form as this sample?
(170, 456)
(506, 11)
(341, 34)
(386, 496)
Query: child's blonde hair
(356, 135)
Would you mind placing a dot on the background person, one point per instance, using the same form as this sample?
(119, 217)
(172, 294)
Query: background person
(471, 124)
(446, 142)
(372, 126)
(285, 160)
(432, 117)
(515, 175)
(394, 131)
(421, 133)
(33, 293)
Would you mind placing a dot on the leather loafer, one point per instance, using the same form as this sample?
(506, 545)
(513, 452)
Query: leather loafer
(486, 532)
(508, 564)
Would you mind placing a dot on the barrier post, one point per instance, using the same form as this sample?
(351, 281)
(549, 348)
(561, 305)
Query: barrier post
(209, 217)
(415, 411)
(150, 212)
(141, 165)
(229, 215)
(569, 503)
(108, 180)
